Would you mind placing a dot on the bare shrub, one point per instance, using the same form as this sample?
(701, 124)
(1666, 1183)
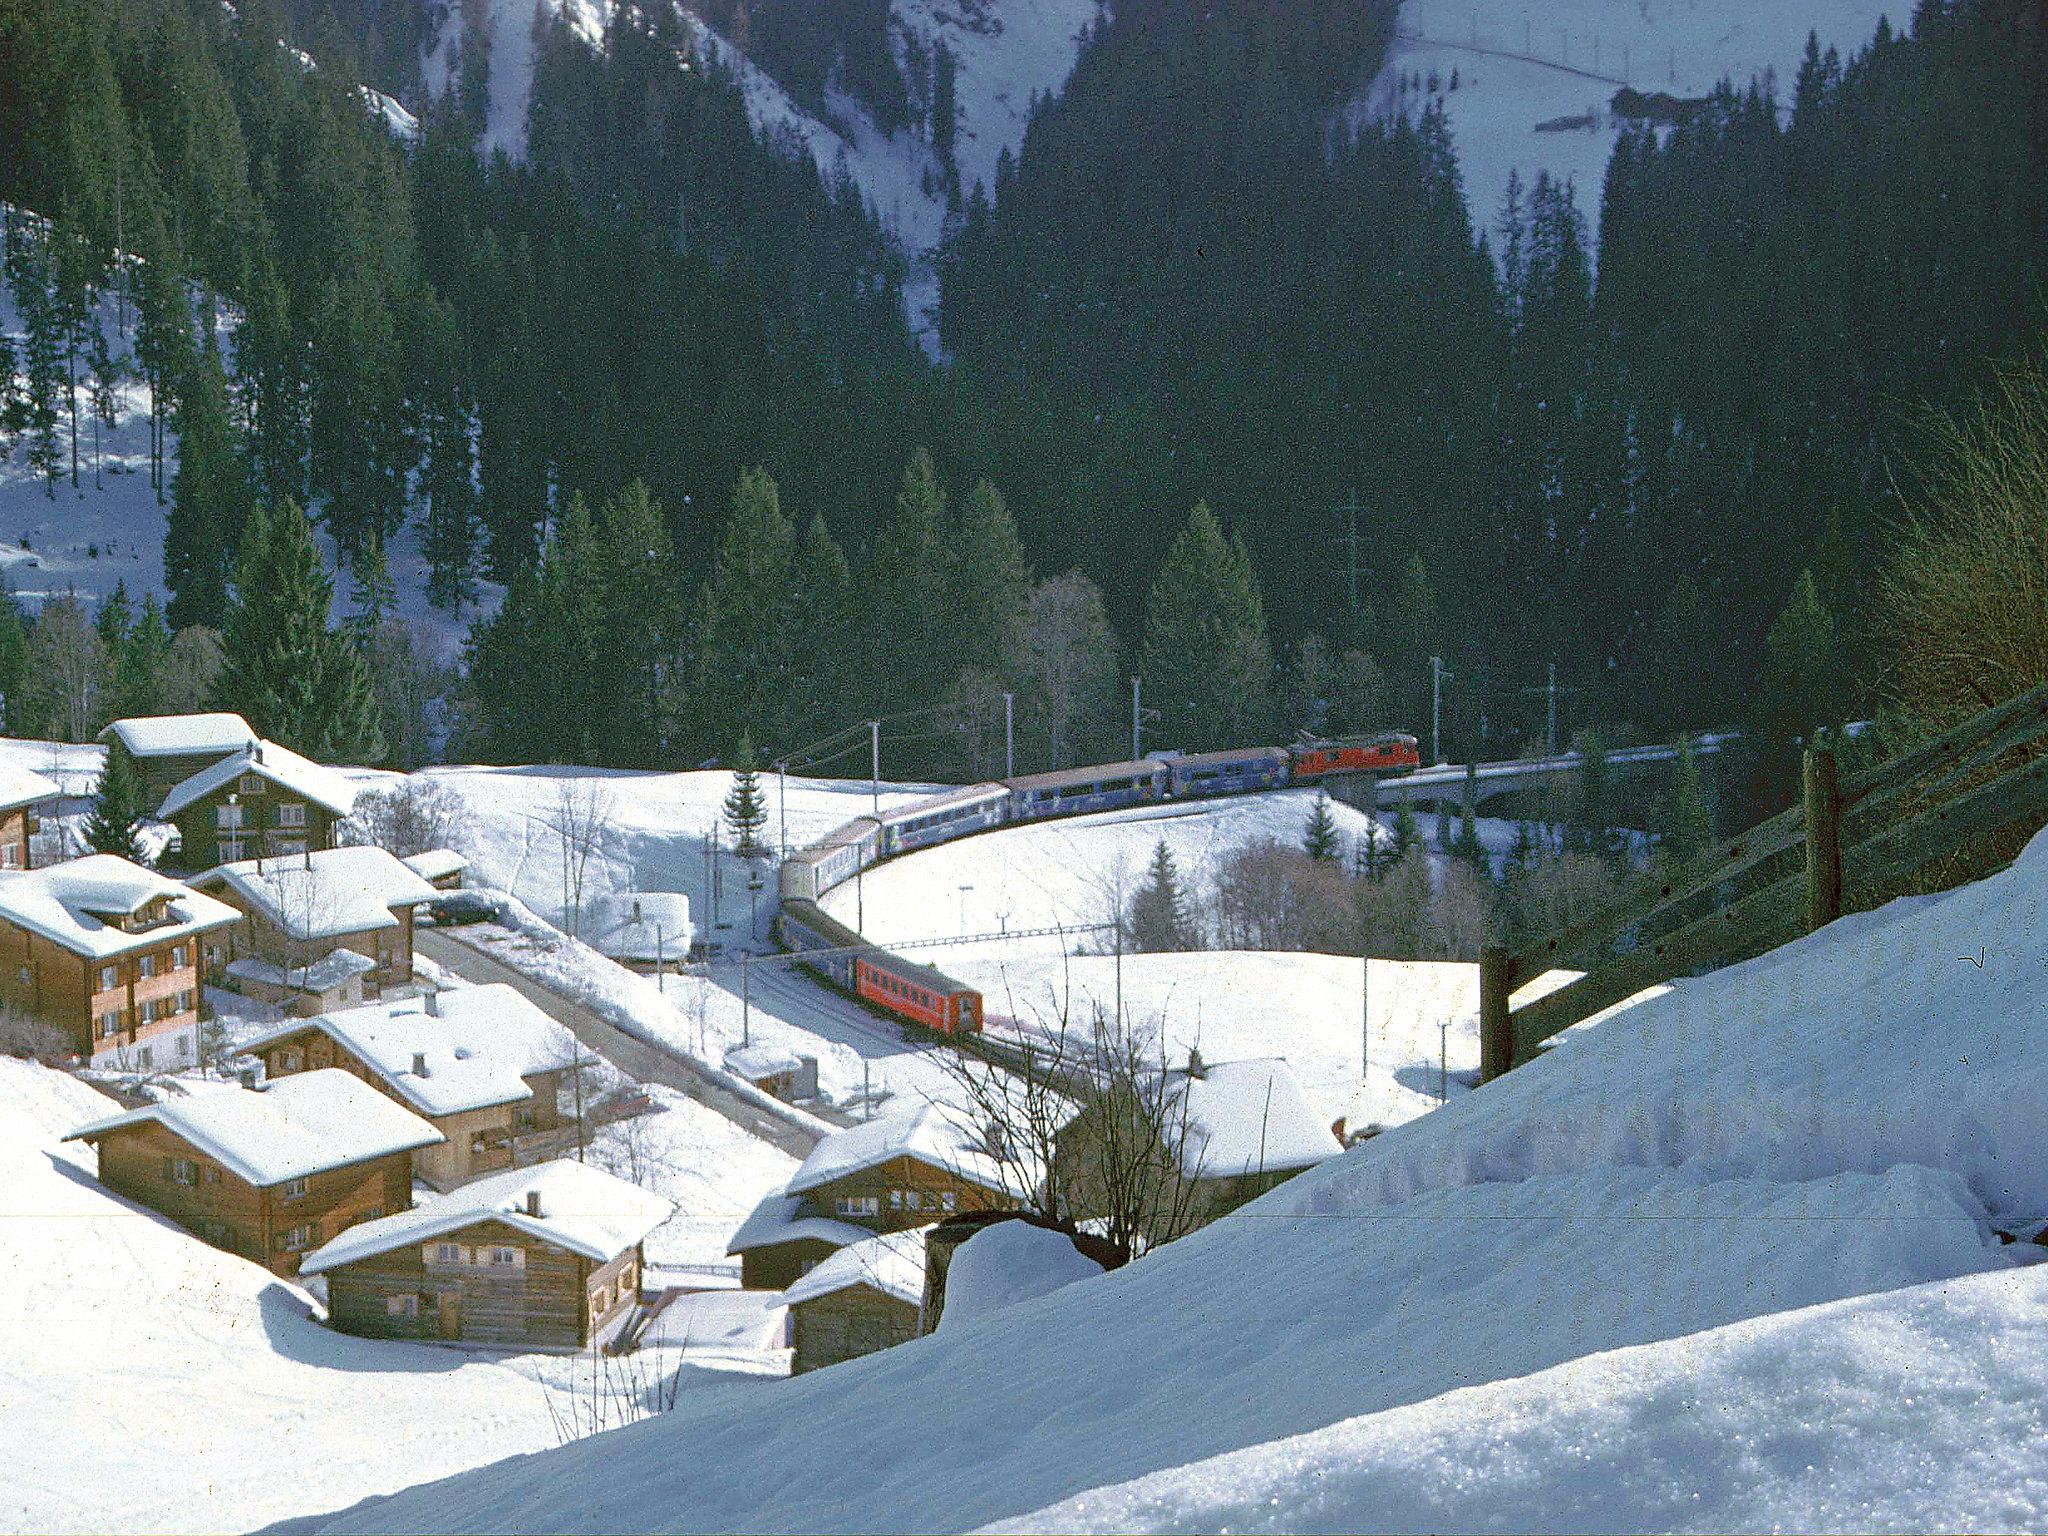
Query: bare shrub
(33, 1039)
(1270, 895)
(413, 816)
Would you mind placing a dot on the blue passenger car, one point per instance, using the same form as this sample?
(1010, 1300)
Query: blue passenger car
(1076, 790)
(1231, 772)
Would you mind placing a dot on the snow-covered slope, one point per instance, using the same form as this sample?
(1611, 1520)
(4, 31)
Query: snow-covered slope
(1520, 63)
(1849, 1116)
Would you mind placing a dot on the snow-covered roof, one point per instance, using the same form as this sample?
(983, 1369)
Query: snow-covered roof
(1249, 1117)
(324, 974)
(892, 1263)
(582, 1209)
(477, 1049)
(436, 863)
(280, 765)
(24, 786)
(926, 1135)
(78, 904)
(775, 1220)
(326, 893)
(181, 735)
(297, 1126)
(1006, 1263)
(638, 925)
(759, 1060)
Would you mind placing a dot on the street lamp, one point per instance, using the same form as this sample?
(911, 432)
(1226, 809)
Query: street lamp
(963, 907)
(754, 884)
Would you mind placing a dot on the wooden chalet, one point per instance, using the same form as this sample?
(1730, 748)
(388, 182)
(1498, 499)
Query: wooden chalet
(862, 1299)
(549, 1256)
(165, 750)
(483, 1065)
(442, 868)
(297, 911)
(269, 1174)
(26, 797)
(1238, 1129)
(263, 801)
(887, 1175)
(109, 952)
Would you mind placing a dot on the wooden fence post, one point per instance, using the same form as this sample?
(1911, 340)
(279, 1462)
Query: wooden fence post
(1823, 797)
(1496, 1028)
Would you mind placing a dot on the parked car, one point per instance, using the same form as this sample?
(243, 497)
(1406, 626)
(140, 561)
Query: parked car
(458, 908)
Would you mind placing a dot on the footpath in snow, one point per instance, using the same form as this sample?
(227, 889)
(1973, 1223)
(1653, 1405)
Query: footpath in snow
(1801, 1159)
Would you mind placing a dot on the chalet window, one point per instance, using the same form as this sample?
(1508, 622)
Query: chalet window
(213, 954)
(110, 1024)
(219, 1233)
(144, 1061)
(294, 1189)
(947, 1201)
(227, 817)
(231, 850)
(600, 1301)
(110, 977)
(10, 855)
(181, 1170)
(184, 1001)
(290, 845)
(293, 1061)
(297, 1240)
(897, 1197)
(146, 1012)
(291, 813)
(145, 968)
(401, 1306)
(179, 957)
(25, 976)
(208, 1174)
(857, 1205)
(446, 1253)
(508, 1258)
(252, 784)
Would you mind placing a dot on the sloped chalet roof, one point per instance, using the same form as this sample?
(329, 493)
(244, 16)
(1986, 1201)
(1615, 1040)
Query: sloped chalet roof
(297, 1126)
(436, 863)
(1249, 1117)
(180, 735)
(24, 786)
(892, 1263)
(325, 893)
(477, 1050)
(926, 1135)
(775, 1220)
(80, 905)
(329, 971)
(280, 765)
(583, 1209)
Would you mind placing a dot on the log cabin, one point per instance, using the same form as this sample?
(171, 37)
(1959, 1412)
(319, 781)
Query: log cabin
(297, 911)
(264, 801)
(26, 797)
(1235, 1130)
(862, 1299)
(165, 750)
(269, 1174)
(108, 952)
(483, 1065)
(542, 1257)
(887, 1175)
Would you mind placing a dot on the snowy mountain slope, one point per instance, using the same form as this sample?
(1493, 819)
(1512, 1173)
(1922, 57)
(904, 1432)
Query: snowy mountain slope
(1520, 63)
(1845, 1117)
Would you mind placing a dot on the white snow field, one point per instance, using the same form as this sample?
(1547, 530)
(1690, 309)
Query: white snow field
(1521, 62)
(150, 1382)
(1848, 1117)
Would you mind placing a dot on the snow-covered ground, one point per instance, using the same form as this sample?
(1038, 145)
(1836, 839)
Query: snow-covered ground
(1520, 63)
(150, 1382)
(1727, 1261)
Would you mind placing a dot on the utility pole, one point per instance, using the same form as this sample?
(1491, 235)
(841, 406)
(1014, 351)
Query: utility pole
(1137, 730)
(1550, 691)
(1009, 736)
(746, 1000)
(875, 765)
(1354, 545)
(1438, 672)
(782, 804)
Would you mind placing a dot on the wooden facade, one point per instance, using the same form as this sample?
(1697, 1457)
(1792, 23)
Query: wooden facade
(159, 773)
(778, 1266)
(479, 1141)
(898, 1194)
(18, 825)
(847, 1323)
(136, 1011)
(486, 1283)
(265, 820)
(274, 1225)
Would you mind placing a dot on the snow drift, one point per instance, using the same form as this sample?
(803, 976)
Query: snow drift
(1848, 1117)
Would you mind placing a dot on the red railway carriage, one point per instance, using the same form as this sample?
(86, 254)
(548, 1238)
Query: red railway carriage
(918, 993)
(1395, 752)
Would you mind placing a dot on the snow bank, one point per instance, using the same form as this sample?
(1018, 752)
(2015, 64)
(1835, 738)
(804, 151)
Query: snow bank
(1008, 1263)
(1845, 1118)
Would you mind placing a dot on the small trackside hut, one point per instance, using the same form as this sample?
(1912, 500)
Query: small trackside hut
(542, 1257)
(863, 1298)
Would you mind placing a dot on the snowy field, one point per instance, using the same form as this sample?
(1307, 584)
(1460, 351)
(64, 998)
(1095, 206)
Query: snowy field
(1727, 1261)
(1521, 63)
(152, 1383)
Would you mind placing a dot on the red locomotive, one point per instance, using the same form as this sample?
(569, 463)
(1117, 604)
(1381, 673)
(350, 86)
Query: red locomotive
(1389, 752)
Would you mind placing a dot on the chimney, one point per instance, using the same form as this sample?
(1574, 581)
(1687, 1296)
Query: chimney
(419, 1064)
(432, 999)
(533, 1202)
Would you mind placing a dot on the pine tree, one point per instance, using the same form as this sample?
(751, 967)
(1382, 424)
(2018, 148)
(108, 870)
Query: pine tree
(747, 620)
(14, 648)
(114, 618)
(116, 810)
(988, 587)
(144, 658)
(1407, 839)
(209, 500)
(1688, 825)
(1468, 847)
(1593, 831)
(1207, 656)
(291, 677)
(1320, 840)
(1157, 921)
(371, 588)
(746, 810)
